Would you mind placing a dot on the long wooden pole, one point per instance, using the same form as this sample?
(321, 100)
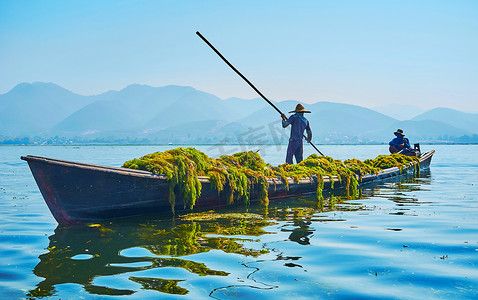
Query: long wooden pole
(247, 80)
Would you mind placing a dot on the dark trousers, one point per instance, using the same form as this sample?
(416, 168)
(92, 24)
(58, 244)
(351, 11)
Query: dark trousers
(296, 149)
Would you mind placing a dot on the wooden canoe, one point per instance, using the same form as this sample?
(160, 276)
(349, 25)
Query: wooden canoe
(81, 193)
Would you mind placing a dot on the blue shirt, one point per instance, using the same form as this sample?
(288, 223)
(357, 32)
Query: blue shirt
(396, 142)
(299, 125)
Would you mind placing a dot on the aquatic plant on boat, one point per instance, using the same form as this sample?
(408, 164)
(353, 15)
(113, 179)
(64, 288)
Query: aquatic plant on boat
(181, 167)
(236, 175)
(390, 161)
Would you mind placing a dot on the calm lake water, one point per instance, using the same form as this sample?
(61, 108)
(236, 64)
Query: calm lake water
(410, 238)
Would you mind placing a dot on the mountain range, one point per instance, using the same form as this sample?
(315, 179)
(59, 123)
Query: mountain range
(400, 112)
(181, 114)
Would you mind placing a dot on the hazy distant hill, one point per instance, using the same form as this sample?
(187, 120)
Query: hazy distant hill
(142, 108)
(348, 120)
(100, 116)
(400, 112)
(420, 131)
(131, 108)
(201, 132)
(30, 109)
(182, 114)
(192, 107)
(146, 101)
(455, 118)
(330, 122)
(434, 127)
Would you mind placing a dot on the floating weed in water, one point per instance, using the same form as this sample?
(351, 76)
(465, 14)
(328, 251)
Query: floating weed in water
(229, 223)
(180, 240)
(211, 215)
(192, 237)
(236, 175)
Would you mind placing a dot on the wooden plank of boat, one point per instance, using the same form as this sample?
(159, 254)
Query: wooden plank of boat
(81, 193)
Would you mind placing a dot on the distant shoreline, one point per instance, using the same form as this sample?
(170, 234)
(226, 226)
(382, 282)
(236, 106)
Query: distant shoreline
(225, 145)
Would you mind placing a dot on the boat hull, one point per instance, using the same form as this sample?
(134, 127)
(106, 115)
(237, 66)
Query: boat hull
(81, 193)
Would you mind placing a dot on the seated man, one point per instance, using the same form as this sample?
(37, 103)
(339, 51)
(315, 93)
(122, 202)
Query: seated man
(401, 145)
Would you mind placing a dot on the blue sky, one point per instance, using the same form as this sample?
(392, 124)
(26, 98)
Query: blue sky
(368, 53)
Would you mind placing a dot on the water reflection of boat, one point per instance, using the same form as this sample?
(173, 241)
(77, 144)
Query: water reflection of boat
(81, 193)
(124, 257)
(400, 192)
(81, 254)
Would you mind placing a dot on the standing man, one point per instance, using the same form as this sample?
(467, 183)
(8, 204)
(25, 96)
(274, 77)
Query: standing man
(299, 124)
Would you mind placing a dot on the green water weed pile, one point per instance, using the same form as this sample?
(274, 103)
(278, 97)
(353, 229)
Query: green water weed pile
(235, 176)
